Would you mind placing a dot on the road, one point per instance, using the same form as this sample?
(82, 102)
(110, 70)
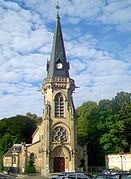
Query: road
(32, 177)
(5, 176)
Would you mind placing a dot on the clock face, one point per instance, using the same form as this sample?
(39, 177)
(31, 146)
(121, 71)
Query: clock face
(59, 66)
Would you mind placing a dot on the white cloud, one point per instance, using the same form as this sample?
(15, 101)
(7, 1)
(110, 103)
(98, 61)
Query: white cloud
(26, 31)
(9, 5)
(19, 99)
(102, 78)
(118, 14)
(20, 104)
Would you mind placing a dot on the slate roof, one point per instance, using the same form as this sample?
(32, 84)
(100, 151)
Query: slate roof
(58, 54)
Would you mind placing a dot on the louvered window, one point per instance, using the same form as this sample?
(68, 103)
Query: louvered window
(59, 105)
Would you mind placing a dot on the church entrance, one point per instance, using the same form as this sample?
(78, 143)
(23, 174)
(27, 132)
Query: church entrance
(59, 164)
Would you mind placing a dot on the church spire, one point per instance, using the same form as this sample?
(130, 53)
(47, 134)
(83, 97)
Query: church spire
(58, 66)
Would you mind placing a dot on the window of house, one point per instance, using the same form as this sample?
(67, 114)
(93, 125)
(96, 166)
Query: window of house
(14, 159)
(59, 105)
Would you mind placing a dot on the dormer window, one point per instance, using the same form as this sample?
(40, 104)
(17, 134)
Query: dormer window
(59, 105)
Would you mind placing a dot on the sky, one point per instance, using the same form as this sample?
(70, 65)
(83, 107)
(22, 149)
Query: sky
(97, 38)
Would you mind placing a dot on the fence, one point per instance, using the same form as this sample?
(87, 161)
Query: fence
(95, 169)
(12, 170)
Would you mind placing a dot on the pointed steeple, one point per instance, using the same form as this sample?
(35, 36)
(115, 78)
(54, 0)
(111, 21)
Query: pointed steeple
(58, 65)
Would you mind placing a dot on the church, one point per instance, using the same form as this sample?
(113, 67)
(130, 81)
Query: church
(54, 143)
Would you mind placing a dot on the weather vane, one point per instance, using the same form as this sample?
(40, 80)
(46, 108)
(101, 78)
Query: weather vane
(57, 7)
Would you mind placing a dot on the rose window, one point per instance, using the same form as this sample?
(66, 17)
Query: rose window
(59, 134)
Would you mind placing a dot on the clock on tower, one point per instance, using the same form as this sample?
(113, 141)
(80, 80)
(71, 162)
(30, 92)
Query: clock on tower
(59, 65)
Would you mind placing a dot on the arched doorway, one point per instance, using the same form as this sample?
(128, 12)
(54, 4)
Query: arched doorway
(59, 164)
(60, 159)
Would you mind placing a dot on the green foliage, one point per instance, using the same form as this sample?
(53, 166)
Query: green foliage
(6, 142)
(34, 117)
(116, 168)
(105, 127)
(30, 169)
(16, 130)
(115, 126)
(1, 161)
(86, 122)
(20, 128)
(121, 100)
(113, 139)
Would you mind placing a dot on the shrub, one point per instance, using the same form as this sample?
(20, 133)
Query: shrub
(116, 168)
(30, 169)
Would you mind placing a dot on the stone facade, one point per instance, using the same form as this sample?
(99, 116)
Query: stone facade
(54, 146)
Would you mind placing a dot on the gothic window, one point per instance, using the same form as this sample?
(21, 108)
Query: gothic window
(59, 105)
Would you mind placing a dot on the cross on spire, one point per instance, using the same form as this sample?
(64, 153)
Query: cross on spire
(57, 7)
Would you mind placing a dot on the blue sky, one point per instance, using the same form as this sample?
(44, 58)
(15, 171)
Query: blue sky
(97, 36)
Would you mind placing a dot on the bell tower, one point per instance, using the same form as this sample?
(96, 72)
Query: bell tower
(59, 139)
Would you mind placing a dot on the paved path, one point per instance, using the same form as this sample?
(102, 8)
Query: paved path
(31, 177)
(5, 176)
(14, 176)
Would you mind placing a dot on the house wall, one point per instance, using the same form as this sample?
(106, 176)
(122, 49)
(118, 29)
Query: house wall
(34, 148)
(122, 161)
(7, 161)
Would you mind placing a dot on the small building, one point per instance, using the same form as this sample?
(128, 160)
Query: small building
(122, 161)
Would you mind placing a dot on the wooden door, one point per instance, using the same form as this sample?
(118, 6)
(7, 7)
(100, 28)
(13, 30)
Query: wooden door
(59, 164)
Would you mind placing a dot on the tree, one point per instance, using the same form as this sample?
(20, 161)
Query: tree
(86, 115)
(120, 101)
(19, 127)
(114, 123)
(105, 127)
(15, 130)
(30, 169)
(114, 140)
(34, 117)
(6, 142)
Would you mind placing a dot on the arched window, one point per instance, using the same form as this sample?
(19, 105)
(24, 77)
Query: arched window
(32, 157)
(59, 105)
